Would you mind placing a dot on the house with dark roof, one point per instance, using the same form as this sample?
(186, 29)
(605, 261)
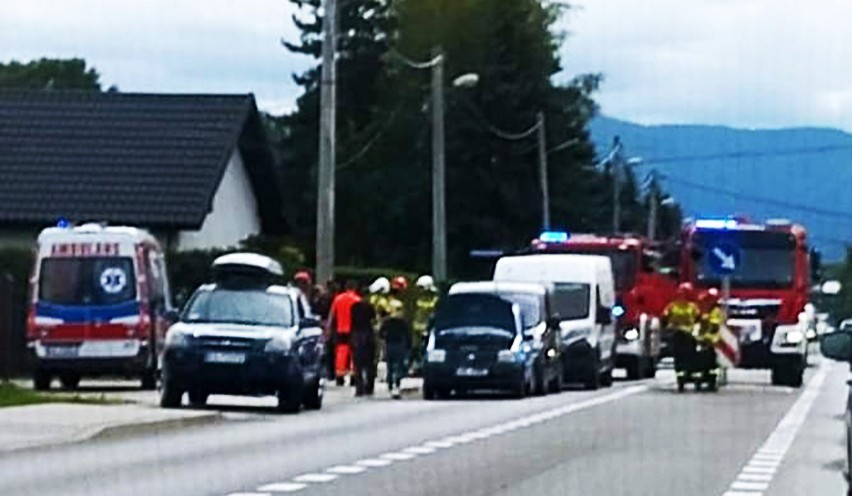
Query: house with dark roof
(196, 170)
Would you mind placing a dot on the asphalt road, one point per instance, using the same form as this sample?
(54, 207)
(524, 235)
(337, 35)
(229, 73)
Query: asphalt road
(634, 438)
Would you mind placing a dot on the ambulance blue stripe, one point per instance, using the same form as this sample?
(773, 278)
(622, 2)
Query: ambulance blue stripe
(81, 314)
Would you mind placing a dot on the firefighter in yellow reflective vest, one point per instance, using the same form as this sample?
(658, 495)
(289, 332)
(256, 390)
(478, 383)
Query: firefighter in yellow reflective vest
(424, 307)
(711, 318)
(380, 299)
(680, 319)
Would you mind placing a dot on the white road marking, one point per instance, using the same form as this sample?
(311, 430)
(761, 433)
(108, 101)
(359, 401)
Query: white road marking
(315, 478)
(755, 477)
(765, 462)
(749, 486)
(419, 450)
(386, 459)
(438, 444)
(397, 457)
(283, 487)
(347, 469)
(374, 463)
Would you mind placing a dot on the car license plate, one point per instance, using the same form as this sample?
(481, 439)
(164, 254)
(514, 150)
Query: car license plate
(225, 357)
(469, 372)
(62, 351)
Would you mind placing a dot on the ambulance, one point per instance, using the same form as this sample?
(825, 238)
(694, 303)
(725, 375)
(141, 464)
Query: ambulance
(99, 305)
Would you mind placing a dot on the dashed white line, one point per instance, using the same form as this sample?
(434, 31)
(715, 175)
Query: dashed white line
(347, 470)
(303, 481)
(419, 450)
(754, 479)
(397, 457)
(315, 478)
(282, 487)
(374, 463)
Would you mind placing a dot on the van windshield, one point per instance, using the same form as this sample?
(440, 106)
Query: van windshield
(530, 305)
(571, 300)
(87, 281)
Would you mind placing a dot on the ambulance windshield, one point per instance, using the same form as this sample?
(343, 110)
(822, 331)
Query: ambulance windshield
(87, 281)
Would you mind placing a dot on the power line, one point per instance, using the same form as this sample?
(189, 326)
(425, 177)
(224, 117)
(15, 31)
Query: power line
(747, 154)
(758, 199)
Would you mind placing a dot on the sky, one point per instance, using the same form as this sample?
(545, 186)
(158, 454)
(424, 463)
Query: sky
(742, 63)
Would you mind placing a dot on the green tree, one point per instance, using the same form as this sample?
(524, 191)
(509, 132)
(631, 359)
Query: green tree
(60, 74)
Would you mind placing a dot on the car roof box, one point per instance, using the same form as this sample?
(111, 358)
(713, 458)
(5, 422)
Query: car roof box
(246, 269)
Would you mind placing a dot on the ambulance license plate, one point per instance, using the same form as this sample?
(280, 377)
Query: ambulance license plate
(225, 357)
(62, 351)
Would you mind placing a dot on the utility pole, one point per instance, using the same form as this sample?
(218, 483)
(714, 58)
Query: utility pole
(616, 185)
(439, 212)
(652, 215)
(542, 171)
(327, 142)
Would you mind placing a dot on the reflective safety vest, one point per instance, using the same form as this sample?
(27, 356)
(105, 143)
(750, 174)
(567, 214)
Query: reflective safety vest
(396, 307)
(423, 311)
(711, 325)
(682, 315)
(382, 305)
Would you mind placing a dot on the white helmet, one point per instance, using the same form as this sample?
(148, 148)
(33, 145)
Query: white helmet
(380, 285)
(425, 282)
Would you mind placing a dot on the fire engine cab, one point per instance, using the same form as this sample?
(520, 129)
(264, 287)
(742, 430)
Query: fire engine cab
(769, 290)
(642, 292)
(99, 304)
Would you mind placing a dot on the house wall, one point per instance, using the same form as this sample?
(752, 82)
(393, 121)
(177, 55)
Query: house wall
(234, 215)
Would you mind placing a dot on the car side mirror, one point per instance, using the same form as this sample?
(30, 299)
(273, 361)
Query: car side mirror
(837, 346)
(308, 322)
(553, 322)
(604, 316)
(171, 316)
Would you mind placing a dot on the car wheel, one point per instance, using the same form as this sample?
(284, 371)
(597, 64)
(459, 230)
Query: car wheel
(556, 384)
(681, 384)
(198, 398)
(634, 368)
(149, 380)
(69, 381)
(593, 375)
(606, 378)
(314, 395)
(650, 369)
(41, 380)
(170, 395)
(539, 384)
(289, 400)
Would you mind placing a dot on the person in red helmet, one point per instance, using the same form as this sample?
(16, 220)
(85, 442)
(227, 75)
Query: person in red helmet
(680, 319)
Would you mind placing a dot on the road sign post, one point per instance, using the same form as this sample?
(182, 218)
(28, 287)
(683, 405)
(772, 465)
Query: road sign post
(724, 261)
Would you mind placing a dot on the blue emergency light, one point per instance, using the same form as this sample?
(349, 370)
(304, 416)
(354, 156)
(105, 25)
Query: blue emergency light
(63, 223)
(716, 224)
(554, 237)
(617, 311)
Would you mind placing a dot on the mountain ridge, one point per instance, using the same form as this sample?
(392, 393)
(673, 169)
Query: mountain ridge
(798, 173)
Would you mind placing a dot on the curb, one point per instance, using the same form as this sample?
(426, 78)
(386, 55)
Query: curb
(117, 430)
(154, 426)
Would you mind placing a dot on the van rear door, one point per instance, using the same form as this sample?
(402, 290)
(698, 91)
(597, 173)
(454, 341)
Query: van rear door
(85, 296)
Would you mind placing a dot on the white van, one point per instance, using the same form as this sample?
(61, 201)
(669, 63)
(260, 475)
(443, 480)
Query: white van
(583, 304)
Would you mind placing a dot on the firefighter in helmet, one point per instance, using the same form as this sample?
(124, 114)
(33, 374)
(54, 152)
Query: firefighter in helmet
(424, 306)
(680, 319)
(711, 317)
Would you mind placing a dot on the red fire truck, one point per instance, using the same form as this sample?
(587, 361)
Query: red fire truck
(769, 288)
(642, 292)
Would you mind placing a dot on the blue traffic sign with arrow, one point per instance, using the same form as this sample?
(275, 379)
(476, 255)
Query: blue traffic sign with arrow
(724, 258)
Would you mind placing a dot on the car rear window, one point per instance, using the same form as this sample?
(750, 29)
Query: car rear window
(87, 281)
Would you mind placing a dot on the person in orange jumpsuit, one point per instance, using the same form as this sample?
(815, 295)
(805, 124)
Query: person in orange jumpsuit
(340, 328)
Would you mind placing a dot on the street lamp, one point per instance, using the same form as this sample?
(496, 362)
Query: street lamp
(471, 80)
(439, 204)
